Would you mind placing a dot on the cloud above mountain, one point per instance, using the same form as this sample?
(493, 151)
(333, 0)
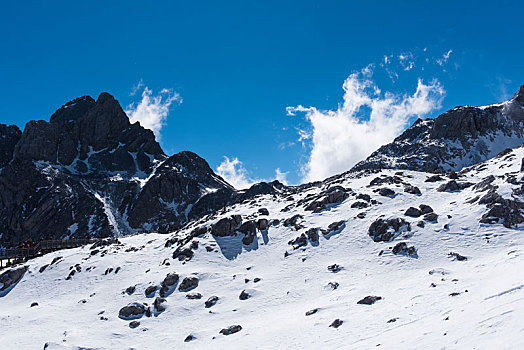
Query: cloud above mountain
(152, 110)
(366, 119)
(233, 171)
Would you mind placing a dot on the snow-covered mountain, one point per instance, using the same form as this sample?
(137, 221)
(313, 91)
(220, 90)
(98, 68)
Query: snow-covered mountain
(389, 255)
(374, 258)
(458, 138)
(90, 172)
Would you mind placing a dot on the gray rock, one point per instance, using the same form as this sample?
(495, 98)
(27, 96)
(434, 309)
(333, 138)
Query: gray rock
(300, 241)
(449, 187)
(244, 295)
(133, 310)
(337, 323)
(333, 285)
(226, 226)
(382, 230)
(183, 253)
(334, 227)
(150, 291)
(402, 248)
(457, 256)
(193, 296)
(157, 304)
(425, 209)
(189, 338)
(170, 279)
(369, 300)
(231, 330)
(249, 229)
(364, 197)
(263, 211)
(211, 301)
(413, 212)
(386, 192)
(312, 234)
(292, 221)
(359, 204)
(188, 283)
(262, 224)
(434, 178)
(335, 268)
(431, 217)
(10, 278)
(412, 189)
(311, 312)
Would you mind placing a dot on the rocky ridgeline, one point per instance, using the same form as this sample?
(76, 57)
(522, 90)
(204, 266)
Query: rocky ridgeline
(90, 172)
(458, 138)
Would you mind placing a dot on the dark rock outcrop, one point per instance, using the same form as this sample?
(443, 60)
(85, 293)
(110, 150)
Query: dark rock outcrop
(311, 312)
(188, 283)
(231, 330)
(412, 190)
(249, 229)
(312, 235)
(332, 195)
(157, 304)
(334, 227)
(382, 230)
(168, 284)
(211, 301)
(10, 278)
(413, 212)
(244, 295)
(369, 300)
(457, 256)
(133, 310)
(300, 241)
(336, 323)
(386, 192)
(226, 226)
(431, 217)
(402, 248)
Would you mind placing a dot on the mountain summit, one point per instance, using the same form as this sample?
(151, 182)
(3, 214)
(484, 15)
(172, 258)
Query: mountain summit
(90, 172)
(456, 139)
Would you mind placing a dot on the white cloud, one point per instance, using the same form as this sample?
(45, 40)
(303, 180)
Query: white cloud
(342, 137)
(281, 176)
(444, 58)
(407, 61)
(136, 88)
(152, 110)
(234, 172)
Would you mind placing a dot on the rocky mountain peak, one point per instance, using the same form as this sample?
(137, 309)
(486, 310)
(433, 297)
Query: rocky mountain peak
(90, 172)
(458, 138)
(90, 137)
(519, 96)
(73, 110)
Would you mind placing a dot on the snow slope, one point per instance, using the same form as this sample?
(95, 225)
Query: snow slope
(488, 312)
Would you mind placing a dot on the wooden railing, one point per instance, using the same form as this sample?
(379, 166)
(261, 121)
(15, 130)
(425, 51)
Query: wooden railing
(41, 248)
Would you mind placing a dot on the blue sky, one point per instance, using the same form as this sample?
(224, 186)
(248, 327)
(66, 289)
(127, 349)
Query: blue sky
(237, 65)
